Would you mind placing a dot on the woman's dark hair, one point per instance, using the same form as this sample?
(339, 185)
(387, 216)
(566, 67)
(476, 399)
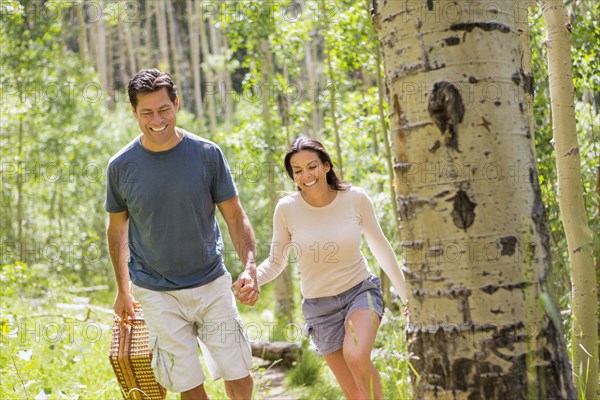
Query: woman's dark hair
(148, 81)
(309, 144)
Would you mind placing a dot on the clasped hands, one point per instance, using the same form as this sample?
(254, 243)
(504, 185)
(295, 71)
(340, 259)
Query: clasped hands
(246, 289)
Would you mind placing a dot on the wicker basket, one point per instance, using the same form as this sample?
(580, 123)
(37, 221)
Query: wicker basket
(131, 358)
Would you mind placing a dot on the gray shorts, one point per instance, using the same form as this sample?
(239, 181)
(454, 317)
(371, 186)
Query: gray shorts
(325, 316)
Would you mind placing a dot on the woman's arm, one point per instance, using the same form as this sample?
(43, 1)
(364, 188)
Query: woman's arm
(380, 246)
(270, 268)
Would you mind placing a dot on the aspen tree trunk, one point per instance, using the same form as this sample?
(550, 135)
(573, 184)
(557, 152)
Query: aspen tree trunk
(473, 226)
(227, 79)
(131, 36)
(218, 45)
(162, 36)
(312, 81)
(526, 74)
(385, 280)
(20, 211)
(122, 49)
(82, 36)
(110, 75)
(99, 45)
(210, 77)
(150, 55)
(176, 68)
(584, 290)
(194, 21)
(332, 108)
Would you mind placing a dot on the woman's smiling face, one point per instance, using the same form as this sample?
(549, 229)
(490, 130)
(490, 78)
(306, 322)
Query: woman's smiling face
(309, 171)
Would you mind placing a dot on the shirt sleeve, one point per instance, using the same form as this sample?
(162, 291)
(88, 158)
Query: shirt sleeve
(222, 184)
(270, 268)
(114, 202)
(380, 246)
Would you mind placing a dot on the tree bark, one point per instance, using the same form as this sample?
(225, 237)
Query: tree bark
(131, 36)
(570, 198)
(122, 49)
(194, 21)
(175, 49)
(150, 55)
(210, 77)
(163, 45)
(82, 34)
(99, 45)
(385, 280)
(332, 109)
(473, 225)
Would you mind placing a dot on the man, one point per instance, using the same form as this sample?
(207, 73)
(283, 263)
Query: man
(162, 189)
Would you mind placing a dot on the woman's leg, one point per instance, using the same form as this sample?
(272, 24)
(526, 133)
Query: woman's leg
(361, 329)
(338, 366)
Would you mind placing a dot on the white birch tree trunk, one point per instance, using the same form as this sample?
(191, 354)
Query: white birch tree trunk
(194, 22)
(162, 36)
(212, 86)
(474, 233)
(584, 291)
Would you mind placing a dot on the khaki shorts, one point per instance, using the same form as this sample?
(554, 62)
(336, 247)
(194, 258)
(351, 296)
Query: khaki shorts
(180, 320)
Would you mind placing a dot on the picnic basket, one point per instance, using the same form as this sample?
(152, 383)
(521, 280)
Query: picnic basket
(131, 357)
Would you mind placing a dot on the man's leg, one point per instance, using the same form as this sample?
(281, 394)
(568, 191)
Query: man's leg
(197, 393)
(240, 388)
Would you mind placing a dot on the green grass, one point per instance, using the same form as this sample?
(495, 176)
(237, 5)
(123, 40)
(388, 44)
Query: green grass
(54, 346)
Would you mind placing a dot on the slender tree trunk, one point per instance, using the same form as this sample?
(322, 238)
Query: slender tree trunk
(110, 74)
(473, 226)
(131, 36)
(162, 36)
(312, 83)
(227, 80)
(176, 68)
(149, 53)
(332, 109)
(99, 45)
(123, 50)
(82, 34)
(570, 198)
(212, 87)
(20, 164)
(194, 21)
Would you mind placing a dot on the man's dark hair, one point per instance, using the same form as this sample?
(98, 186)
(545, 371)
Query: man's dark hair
(148, 81)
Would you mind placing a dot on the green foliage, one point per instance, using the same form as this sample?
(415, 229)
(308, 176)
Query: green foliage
(57, 134)
(307, 371)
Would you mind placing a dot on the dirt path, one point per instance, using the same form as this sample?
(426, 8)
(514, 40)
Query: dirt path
(270, 385)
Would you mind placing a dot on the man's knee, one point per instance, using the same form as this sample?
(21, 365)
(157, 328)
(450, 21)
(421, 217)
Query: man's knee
(240, 388)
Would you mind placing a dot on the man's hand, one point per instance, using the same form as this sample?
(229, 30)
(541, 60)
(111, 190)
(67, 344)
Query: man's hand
(125, 305)
(246, 289)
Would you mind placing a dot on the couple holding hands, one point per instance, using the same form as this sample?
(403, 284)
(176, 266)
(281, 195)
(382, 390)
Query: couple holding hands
(163, 189)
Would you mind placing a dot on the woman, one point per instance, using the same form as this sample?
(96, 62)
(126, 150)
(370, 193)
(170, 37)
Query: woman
(342, 304)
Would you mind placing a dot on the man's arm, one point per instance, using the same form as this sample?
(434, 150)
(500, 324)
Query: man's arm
(242, 236)
(118, 248)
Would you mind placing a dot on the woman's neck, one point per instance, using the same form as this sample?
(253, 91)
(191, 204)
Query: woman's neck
(319, 198)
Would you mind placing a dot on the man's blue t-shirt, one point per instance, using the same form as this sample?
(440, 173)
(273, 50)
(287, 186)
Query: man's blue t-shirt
(174, 240)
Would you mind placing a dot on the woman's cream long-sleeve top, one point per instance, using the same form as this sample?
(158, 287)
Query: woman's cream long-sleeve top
(326, 241)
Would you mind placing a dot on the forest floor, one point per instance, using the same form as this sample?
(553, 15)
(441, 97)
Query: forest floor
(270, 384)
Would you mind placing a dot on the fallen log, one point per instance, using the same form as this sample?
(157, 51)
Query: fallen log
(274, 351)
